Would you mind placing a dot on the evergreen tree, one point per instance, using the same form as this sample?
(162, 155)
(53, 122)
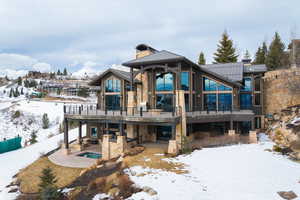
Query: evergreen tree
(33, 137)
(261, 54)
(247, 55)
(225, 52)
(65, 72)
(58, 72)
(11, 93)
(47, 188)
(276, 53)
(45, 121)
(201, 59)
(16, 92)
(19, 80)
(6, 78)
(22, 92)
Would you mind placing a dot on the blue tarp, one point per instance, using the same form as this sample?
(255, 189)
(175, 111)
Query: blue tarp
(10, 145)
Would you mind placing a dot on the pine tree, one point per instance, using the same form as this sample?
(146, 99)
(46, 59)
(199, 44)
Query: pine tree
(22, 92)
(247, 55)
(65, 72)
(45, 121)
(19, 80)
(11, 93)
(16, 92)
(33, 137)
(58, 72)
(261, 54)
(6, 78)
(225, 52)
(276, 53)
(201, 59)
(47, 188)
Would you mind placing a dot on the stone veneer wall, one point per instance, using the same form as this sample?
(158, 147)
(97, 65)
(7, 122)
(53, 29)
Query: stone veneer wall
(278, 89)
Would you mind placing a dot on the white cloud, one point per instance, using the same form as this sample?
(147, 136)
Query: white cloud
(15, 61)
(42, 67)
(14, 65)
(88, 70)
(12, 74)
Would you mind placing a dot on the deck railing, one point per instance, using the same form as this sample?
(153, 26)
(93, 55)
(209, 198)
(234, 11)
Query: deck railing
(94, 110)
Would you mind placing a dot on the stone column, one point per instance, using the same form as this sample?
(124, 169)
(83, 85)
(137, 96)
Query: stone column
(121, 142)
(231, 132)
(106, 155)
(181, 126)
(131, 102)
(173, 147)
(252, 137)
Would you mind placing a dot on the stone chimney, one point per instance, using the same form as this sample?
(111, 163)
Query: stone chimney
(144, 50)
(295, 53)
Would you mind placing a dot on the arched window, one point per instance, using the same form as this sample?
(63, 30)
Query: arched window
(164, 82)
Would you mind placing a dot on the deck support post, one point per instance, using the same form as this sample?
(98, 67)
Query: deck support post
(80, 133)
(231, 124)
(121, 129)
(66, 136)
(173, 131)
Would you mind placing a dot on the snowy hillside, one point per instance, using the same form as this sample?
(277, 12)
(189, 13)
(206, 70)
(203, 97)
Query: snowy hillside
(30, 119)
(244, 172)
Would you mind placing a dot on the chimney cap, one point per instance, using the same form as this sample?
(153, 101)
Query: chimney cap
(144, 47)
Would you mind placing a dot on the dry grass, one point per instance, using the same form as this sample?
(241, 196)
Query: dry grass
(152, 157)
(30, 176)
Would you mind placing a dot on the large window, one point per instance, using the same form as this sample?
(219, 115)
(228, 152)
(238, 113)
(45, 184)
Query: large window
(257, 99)
(164, 101)
(112, 102)
(112, 85)
(211, 85)
(246, 101)
(257, 84)
(224, 101)
(247, 85)
(164, 82)
(210, 101)
(94, 132)
(185, 81)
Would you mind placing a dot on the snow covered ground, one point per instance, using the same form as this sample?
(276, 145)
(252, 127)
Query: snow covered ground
(30, 119)
(244, 172)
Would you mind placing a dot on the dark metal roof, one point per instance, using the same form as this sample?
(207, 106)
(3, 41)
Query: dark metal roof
(232, 71)
(155, 58)
(255, 68)
(119, 73)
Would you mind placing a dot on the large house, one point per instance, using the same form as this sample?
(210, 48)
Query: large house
(165, 97)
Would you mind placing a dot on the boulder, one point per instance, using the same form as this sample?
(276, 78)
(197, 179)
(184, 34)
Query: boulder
(114, 192)
(149, 190)
(287, 195)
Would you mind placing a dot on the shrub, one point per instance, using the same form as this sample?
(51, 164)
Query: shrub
(33, 137)
(45, 121)
(50, 193)
(17, 114)
(47, 188)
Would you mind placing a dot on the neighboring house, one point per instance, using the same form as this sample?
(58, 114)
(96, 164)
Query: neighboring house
(165, 97)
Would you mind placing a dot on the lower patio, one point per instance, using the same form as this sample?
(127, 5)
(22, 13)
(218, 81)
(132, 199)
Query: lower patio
(77, 158)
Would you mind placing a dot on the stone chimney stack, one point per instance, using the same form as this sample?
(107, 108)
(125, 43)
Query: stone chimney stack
(144, 50)
(295, 53)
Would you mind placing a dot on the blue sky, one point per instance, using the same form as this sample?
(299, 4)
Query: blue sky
(93, 35)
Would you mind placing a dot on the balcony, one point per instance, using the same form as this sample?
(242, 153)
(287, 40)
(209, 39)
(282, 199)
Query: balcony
(154, 116)
(128, 114)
